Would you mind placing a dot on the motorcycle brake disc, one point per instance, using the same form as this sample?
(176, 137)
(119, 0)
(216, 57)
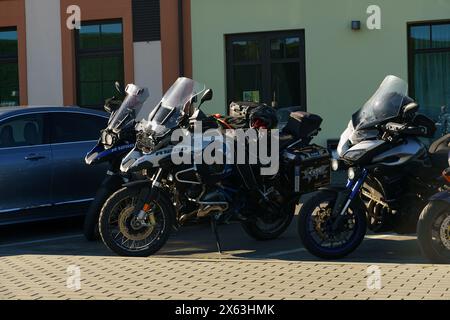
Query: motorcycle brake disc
(126, 226)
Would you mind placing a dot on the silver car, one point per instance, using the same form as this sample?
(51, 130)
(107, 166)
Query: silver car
(42, 170)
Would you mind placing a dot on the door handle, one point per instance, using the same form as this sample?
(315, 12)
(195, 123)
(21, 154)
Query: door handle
(34, 157)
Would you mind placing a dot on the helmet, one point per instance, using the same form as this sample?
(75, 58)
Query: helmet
(263, 117)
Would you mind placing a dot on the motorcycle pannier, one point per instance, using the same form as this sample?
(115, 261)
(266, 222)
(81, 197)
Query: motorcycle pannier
(308, 168)
(302, 124)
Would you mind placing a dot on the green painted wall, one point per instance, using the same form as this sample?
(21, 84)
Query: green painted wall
(343, 67)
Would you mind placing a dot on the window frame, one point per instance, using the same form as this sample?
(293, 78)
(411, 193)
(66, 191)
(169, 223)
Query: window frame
(5, 59)
(266, 61)
(51, 122)
(100, 52)
(413, 51)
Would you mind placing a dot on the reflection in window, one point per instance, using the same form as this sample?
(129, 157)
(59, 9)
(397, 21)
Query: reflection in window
(9, 68)
(267, 67)
(22, 131)
(430, 74)
(100, 62)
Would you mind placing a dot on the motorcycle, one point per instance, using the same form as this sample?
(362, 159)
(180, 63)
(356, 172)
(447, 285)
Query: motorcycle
(116, 141)
(138, 219)
(433, 227)
(390, 175)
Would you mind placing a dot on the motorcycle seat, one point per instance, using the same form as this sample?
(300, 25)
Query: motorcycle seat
(439, 152)
(302, 124)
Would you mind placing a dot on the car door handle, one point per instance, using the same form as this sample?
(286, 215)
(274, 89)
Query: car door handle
(34, 157)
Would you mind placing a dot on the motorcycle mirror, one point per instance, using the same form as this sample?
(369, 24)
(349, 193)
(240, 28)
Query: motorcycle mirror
(118, 87)
(111, 105)
(410, 108)
(207, 96)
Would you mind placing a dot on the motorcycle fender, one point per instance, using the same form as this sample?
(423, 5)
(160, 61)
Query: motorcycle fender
(112, 182)
(441, 196)
(137, 184)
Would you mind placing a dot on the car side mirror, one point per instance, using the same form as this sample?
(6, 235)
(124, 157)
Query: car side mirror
(410, 108)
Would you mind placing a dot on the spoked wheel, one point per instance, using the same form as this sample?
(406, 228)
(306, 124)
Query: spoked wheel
(326, 236)
(433, 232)
(128, 235)
(269, 225)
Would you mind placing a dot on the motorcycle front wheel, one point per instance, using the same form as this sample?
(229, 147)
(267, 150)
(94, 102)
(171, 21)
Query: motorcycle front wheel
(319, 233)
(433, 232)
(122, 233)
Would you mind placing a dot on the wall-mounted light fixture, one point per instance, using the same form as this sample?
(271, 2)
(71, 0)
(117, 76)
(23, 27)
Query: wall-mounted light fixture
(356, 25)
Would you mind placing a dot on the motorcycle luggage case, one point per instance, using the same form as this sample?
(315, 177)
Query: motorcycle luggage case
(307, 168)
(302, 124)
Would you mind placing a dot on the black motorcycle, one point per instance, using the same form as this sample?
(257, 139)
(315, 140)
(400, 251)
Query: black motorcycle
(433, 227)
(391, 174)
(116, 141)
(138, 219)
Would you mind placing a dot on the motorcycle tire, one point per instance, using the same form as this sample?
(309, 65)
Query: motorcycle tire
(254, 228)
(167, 215)
(311, 244)
(430, 249)
(90, 226)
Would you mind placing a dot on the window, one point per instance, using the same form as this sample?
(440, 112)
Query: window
(76, 127)
(267, 67)
(429, 66)
(9, 68)
(22, 131)
(146, 20)
(99, 49)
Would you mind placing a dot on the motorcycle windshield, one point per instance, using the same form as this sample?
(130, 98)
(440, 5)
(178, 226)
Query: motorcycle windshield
(133, 108)
(385, 104)
(179, 100)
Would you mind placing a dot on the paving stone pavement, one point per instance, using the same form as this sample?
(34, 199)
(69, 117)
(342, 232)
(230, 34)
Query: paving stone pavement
(47, 277)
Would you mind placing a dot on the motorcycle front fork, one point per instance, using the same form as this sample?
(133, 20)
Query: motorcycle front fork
(345, 198)
(146, 195)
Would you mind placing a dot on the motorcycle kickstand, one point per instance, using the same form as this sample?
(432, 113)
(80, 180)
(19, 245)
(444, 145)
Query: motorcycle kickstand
(216, 233)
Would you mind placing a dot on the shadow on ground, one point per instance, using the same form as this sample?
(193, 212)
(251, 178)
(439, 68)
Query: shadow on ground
(65, 237)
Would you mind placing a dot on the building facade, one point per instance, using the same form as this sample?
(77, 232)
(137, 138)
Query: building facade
(305, 53)
(44, 61)
(323, 56)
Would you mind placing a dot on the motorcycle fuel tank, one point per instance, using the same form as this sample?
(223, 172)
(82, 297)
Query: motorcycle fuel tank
(400, 154)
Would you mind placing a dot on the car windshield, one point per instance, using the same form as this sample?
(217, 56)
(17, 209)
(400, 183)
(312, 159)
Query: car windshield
(133, 108)
(175, 103)
(385, 104)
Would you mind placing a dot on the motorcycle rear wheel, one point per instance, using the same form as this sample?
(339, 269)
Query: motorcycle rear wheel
(261, 229)
(119, 232)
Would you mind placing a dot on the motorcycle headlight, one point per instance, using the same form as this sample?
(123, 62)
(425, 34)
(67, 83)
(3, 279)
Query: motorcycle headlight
(109, 140)
(145, 142)
(352, 173)
(335, 164)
